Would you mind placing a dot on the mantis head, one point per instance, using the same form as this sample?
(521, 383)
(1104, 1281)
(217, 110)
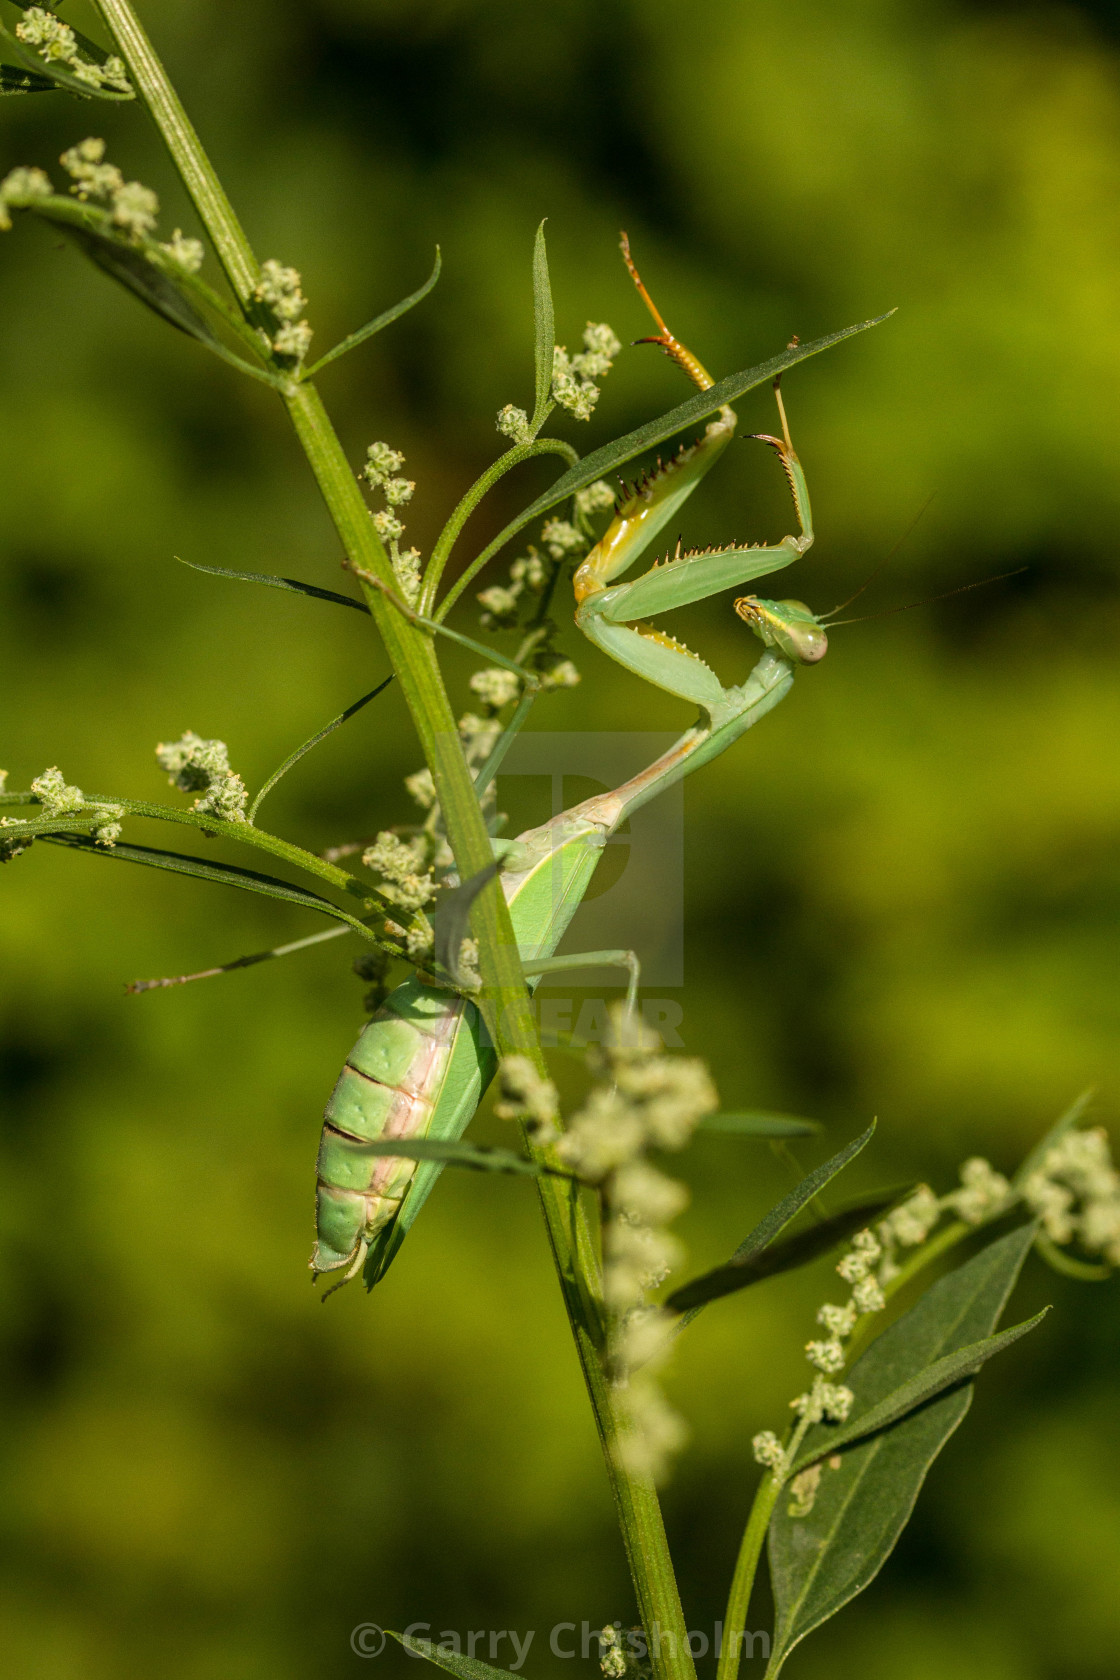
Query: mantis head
(788, 626)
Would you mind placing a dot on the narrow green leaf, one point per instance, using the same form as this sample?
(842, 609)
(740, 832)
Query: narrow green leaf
(798, 1250)
(602, 462)
(452, 922)
(950, 1369)
(224, 874)
(478, 1157)
(464, 1668)
(128, 265)
(135, 987)
(144, 269)
(730, 1277)
(13, 79)
(819, 1562)
(544, 323)
(328, 729)
(775, 1222)
(292, 584)
(379, 321)
(757, 1123)
(1065, 1122)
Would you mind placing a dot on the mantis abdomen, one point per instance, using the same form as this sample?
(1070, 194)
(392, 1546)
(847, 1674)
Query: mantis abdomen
(418, 1069)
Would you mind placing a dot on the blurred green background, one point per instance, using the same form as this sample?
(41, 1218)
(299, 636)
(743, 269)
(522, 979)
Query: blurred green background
(902, 892)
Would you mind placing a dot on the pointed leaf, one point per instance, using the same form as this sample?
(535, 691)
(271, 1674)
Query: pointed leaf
(379, 321)
(819, 1562)
(224, 874)
(798, 1250)
(602, 462)
(758, 1123)
(328, 729)
(544, 330)
(775, 1222)
(946, 1372)
(452, 922)
(14, 79)
(478, 1157)
(464, 1668)
(273, 582)
(128, 265)
(727, 1279)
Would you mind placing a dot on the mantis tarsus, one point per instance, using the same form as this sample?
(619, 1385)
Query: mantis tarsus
(420, 1067)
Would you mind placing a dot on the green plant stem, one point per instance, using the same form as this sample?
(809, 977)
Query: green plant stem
(636, 1503)
(746, 1564)
(209, 196)
(245, 833)
(505, 997)
(486, 481)
(742, 1582)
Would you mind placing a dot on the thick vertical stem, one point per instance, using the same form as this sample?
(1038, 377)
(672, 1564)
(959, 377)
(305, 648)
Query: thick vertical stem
(636, 1503)
(414, 662)
(209, 196)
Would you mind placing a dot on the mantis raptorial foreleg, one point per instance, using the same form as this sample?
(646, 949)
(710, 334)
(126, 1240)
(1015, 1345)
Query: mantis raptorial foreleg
(607, 615)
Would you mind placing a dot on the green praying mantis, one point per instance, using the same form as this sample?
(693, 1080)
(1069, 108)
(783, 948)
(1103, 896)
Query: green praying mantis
(420, 1066)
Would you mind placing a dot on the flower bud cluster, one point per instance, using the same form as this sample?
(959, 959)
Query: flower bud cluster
(133, 207)
(383, 464)
(643, 1099)
(983, 1193)
(526, 1096)
(1075, 1192)
(20, 188)
(406, 881)
(56, 43)
(907, 1226)
(198, 766)
(612, 1658)
(827, 1401)
(573, 377)
(58, 798)
(279, 291)
(513, 423)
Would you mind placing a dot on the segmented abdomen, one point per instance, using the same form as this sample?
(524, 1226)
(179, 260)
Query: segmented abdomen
(388, 1088)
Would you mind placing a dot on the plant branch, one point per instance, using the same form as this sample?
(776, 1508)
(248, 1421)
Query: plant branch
(486, 481)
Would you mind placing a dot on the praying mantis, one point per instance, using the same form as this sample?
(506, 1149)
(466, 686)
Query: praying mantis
(420, 1066)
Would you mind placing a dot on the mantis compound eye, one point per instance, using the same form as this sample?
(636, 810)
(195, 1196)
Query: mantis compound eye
(788, 626)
